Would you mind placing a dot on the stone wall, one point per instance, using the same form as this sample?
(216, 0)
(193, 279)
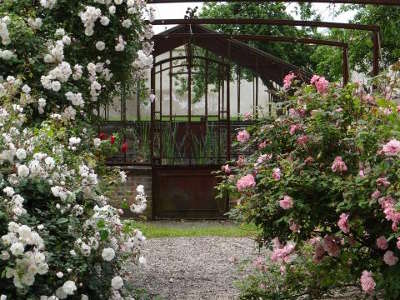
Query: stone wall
(136, 175)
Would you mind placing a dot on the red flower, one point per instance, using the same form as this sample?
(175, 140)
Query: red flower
(102, 136)
(124, 147)
(112, 139)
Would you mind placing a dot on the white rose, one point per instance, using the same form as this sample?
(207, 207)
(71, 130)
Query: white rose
(9, 191)
(21, 154)
(96, 142)
(104, 21)
(17, 248)
(112, 9)
(108, 254)
(100, 45)
(56, 86)
(23, 171)
(117, 283)
(69, 287)
(140, 189)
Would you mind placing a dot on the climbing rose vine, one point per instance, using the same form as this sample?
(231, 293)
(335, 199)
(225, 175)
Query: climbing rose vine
(322, 185)
(60, 238)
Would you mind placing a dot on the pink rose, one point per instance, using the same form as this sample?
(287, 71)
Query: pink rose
(392, 148)
(263, 157)
(262, 145)
(226, 169)
(314, 79)
(276, 174)
(321, 84)
(367, 282)
(245, 182)
(286, 202)
(343, 223)
(243, 136)
(247, 116)
(293, 128)
(383, 181)
(376, 194)
(287, 80)
(282, 254)
(382, 243)
(302, 140)
(339, 165)
(390, 259)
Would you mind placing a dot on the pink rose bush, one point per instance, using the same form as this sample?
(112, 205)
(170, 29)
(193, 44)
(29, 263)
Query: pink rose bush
(243, 136)
(245, 182)
(338, 157)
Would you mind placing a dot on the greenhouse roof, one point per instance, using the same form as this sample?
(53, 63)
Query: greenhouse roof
(267, 66)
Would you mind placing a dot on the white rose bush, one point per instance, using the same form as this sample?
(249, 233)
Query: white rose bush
(60, 238)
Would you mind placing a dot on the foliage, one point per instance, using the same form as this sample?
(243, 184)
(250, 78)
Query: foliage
(55, 222)
(60, 59)
(328, 60)
(323, 187)
(79, 47)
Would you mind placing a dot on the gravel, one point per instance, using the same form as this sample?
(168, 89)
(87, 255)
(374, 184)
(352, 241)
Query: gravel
(194, 268)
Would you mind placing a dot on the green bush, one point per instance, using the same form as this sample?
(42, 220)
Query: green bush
(323, 187)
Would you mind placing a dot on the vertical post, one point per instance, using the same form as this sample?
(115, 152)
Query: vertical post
(153, 106)
(253, 95)
(223, 90)
(123, 111)
(161, 118)
(190, 103)
(219, 113)
(345, 67)
(228, 115)
(238, 92)
(376, 42)
(138, 100)
(206, 87)
(257, 96)
(170, 86)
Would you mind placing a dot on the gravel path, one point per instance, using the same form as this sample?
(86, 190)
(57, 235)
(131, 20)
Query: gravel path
(193, 268)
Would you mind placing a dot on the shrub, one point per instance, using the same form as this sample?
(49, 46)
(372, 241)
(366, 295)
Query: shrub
(326, 191)
(72, 54)
(60, 59)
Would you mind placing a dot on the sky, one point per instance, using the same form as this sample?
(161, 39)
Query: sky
(177, 11)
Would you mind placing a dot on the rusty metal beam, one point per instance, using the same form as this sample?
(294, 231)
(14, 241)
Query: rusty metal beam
(280, 22)
(374, 2)
(249, 37)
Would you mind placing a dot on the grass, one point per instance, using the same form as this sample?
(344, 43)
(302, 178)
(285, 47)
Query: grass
(159, 229)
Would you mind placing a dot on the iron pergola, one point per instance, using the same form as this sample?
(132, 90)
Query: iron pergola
(374, 29)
